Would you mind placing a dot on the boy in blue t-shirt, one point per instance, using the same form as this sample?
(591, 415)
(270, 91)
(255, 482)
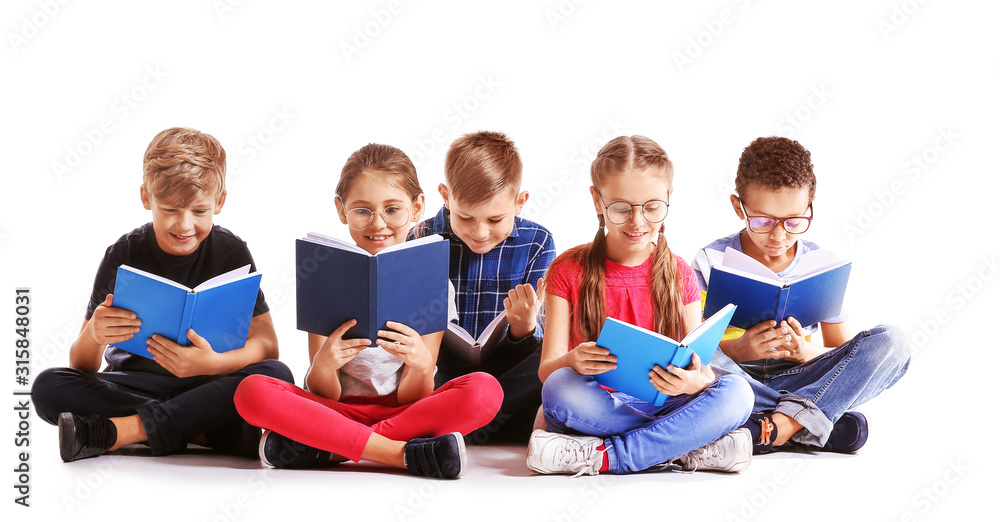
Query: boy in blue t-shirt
(496, 257)
(185, 393)
(803, 391)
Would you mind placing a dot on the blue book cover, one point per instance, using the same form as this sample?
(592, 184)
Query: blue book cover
(812, 296)
(337, 281)
(638, 350)
(219, 309)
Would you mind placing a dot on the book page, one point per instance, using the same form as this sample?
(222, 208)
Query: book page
(228, 277)
(706, 325)
(485, 336)
(414, 243)
(816, 262)
(320, 239)
(742, 264)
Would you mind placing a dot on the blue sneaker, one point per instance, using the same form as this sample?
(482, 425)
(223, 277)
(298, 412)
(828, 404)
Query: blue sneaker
(279, 451)
(762, 432)
(849, 433)
(437, 457)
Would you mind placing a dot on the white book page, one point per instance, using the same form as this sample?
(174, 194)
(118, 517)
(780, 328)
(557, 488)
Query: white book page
(155, 277)
(461, 333)
(741, 263)
(485, 336)
(433, 238)
(763, 279)
(706, 324)
(816, 262)
(650, 332)
(320, 239)
(228, 277)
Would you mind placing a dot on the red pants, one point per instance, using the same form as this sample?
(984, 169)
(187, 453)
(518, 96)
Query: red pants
(462, 404)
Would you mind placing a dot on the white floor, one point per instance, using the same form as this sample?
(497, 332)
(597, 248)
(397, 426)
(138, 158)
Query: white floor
(901, 474)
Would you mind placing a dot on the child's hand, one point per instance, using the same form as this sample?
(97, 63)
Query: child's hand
(406, 344)
(675, 381)
(337, 351)
(590, 359)
(800, 350)
(522, 304)
(198, 358)
(763, 341)
(110, 325)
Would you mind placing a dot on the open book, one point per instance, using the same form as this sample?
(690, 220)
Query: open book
(461, 344)
(219, 309)
(638, 350)
(337, 281)
(815, 294)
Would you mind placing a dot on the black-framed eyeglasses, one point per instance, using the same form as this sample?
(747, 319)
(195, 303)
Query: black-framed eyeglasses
(765, 224)
(619, 212)
(361, 218)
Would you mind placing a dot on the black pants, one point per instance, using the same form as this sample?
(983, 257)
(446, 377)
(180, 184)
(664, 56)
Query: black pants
(173, 410)
(517, 372)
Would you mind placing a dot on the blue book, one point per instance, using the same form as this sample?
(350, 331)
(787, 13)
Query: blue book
(815, 294)
(219, 309)
(338, 281)
(639, 349)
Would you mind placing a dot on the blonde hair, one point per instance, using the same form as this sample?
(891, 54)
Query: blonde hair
(622, 156)
(383, 160)
(482, 165)
(184, 164)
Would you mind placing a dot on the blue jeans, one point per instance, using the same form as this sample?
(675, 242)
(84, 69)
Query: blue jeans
(818, 392)
(637, 434)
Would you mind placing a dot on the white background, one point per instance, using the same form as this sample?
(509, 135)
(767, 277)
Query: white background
(896, 100)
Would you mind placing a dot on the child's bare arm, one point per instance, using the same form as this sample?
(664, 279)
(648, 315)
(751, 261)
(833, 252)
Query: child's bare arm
(587, 358)
(108, 325)
(418, 353)
(327, 355)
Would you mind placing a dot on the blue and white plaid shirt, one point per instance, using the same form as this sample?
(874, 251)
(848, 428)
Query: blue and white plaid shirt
(483, 280)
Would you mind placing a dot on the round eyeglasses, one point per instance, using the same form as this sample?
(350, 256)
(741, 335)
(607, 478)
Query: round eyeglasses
(765, 224)
(361, 218)
(619, 212)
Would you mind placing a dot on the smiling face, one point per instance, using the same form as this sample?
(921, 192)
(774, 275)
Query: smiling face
(774, 249)
(482, 227)
(629, 243)
(375, 193)
(179, 229)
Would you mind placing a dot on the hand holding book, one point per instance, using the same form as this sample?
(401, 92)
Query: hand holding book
(682, 381)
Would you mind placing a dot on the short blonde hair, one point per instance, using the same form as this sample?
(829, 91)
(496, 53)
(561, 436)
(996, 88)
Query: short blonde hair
(183, 164)
(481, 165)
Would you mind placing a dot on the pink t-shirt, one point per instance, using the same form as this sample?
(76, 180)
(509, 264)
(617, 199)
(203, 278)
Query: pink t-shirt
(626, 290)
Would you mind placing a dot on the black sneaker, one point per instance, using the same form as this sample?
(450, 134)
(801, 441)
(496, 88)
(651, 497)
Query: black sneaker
(84, 437)
(279, 451)
(437, 457)
(762, 432)
(850, 432)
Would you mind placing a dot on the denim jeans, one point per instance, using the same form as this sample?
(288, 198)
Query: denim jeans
(637, 434)
(818, 392)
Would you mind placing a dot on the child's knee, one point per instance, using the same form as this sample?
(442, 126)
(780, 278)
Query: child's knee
(46, 392)
(273, 368)
(894, 346)
(737, 396)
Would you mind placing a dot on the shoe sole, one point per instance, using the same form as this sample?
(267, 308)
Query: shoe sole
(260, 449)
(67, 434)
(747, 444)
(463, 456)
(531, 444)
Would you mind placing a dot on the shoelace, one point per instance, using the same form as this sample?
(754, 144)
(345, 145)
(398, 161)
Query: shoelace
(574, 456)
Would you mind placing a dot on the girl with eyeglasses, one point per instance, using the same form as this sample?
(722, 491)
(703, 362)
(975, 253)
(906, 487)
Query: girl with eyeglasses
(373, 401)
(804, 390)
(628, 272)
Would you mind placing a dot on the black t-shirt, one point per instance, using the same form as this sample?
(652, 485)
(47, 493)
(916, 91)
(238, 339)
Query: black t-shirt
(219, 253)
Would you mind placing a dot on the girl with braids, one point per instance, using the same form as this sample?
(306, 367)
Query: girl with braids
(629, 273)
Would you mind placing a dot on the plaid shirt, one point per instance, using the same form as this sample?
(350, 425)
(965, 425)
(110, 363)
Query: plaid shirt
(482, 280)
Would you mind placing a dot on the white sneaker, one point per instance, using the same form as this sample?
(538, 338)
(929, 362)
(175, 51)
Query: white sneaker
(557, 453)
(731, 454)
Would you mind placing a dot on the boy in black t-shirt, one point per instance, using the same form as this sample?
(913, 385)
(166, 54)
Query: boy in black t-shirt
(185, 393)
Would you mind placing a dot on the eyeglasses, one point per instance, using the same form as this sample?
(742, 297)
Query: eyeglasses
(764, 224)
(361, 218)
(619, 212)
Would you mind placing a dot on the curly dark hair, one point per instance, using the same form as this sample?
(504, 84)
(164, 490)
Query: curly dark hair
(775, 163)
